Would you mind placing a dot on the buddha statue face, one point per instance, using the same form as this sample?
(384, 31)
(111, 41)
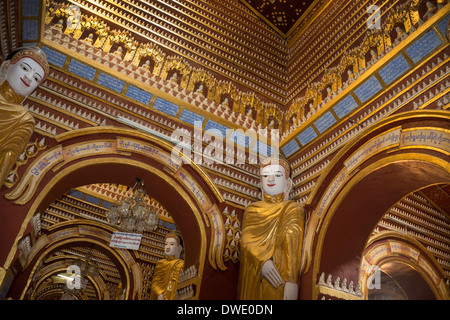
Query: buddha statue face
(24, 76)
(23, 72)
(274, 180)
(172, 247)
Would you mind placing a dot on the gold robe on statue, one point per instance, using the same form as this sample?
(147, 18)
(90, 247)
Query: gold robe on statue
(271, 229)
(16, 128)
(165, 278)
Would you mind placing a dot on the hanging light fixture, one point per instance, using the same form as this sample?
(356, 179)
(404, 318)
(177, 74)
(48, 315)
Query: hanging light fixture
(132, 214)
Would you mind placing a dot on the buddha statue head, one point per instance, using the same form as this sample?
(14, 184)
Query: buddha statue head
(275, 175)
(173, 245)
(23, 70)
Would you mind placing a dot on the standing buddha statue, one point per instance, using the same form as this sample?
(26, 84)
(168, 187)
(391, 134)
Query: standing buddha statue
(272, 237)
(167, 271)
(21, 73)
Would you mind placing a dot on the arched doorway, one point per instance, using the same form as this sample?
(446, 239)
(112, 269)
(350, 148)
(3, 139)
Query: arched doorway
(119, 156)
(80, 252)
(372, 173)
(399, 281)
(398, 267)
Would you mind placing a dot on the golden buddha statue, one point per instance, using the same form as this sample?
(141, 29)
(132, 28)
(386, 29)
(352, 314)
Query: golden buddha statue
(20, 74)
(272, 237)
(167, 271)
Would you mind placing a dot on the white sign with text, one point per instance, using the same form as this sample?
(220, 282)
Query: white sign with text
(125, 240)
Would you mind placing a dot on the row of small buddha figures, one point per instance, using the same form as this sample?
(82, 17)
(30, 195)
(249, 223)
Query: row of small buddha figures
(129, 43)
(141, 67)
(397, 28)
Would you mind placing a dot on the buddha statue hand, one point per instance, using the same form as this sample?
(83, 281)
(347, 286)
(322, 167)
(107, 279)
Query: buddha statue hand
(271, 273)
(290, 291)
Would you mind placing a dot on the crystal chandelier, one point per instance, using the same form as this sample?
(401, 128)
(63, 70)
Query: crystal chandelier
(132, 214)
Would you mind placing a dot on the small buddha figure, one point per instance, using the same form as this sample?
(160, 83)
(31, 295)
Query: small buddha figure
(59, 25)
(329, 95)
(174, 78)
(400, 35)
(89, 39)
(200, 89)
(167, 270)
(20, 74)
(272, 237)
(146, 65)
(373, 57)
(118, 53)
(349, 77)
(225, 102)
(294, 121)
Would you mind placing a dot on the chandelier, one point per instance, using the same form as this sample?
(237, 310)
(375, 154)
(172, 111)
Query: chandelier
(132, 214)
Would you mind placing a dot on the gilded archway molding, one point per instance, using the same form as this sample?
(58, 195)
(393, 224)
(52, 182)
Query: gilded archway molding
(347, 189)
(127, 162)
(97, 282)
(381, 145)
(129, 148)
(65, 152)
(85, 232)
(384, 136)
(389, 246)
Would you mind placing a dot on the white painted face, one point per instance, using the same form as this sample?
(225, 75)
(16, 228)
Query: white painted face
(273, 180)
(23, 76)
(172, 248)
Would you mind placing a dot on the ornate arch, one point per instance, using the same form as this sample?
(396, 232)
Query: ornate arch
(85, 232)
(389, 246)
(410, 150)
(109, 154)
